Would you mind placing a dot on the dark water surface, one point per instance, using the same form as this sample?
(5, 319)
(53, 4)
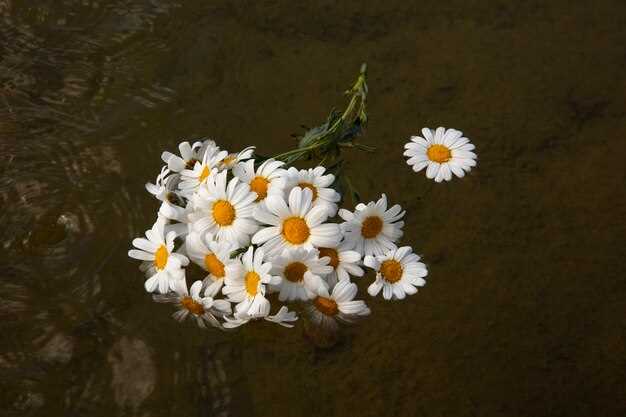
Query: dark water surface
(523, 312)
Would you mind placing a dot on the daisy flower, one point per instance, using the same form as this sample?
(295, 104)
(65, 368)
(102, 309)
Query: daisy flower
(224, 210)
(267, 180)
(192, 178)
(189, 155)
(161, 264)
(284, 317)
(319, 184)
(247, 285)
(164, 188)
(343, 262)
(372, 229)
(213, 257)
(301, 272)
(294, 224)
(398, 273)
(442, 152)
(234, 158)
(203, 309)
(325, 310)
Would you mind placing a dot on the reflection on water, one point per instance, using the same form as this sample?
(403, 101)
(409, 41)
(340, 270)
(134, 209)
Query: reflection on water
(68, 71)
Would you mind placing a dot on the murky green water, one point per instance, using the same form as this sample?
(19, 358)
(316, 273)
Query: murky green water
(523, 310)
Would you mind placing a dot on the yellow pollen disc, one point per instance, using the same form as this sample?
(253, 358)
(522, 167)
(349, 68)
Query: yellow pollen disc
(371, 227)
(259, 186)
(223, 213)
(311, 187)
(191, 163)
(295, 230)
(160, 257)
(214, 265)
(294, 272)
(192, 305)
(228, 160)
(252, 283)
(391, 270)
(332, 254)
(204, 174)
(439, 153)
(327, 306)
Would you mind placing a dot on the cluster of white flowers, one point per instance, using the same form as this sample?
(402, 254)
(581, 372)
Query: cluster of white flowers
(259, 227)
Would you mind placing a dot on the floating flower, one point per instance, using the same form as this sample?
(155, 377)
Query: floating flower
(343, 262)
(213, 257)
(224, 210)
(192, 178)
(265, 181)
(162, 265)
(189, 155)
(398, 273)
(294, 224)
(324, 310)
(319, 184)
(204, 309)
(234, 158)
(247, 285)
(442, 152)
(372, 229)
(284, 317)
(301, 272)
(165, 186)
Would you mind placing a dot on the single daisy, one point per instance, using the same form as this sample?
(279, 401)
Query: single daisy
(265, 181)
(284, 317)
(343, 262)
(442, 152)
(246, 286)
(204, 309)
(164, 188)
(301, 271)
(325, 310)
(372, 229)
(234, 158)
(225, 210)
(189, 155)
(213, 257)
(319, 184)
(294, 224)
(398, 273)
(162, 265)
(192, 178)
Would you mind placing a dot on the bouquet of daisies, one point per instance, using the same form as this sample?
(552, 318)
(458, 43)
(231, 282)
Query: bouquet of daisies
(268, 240)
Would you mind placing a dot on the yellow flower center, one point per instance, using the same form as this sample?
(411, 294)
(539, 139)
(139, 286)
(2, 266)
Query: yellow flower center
(391, 270)
(311, 187)
(294, 272)
(192, 305)
(204, 174)
(252, 283)
(327, 306)
(229, 160)
(295, 230)
(259, 186)
(439, 153)
(214, 265)
(160, 257)
(223, 213)
(332, 254)
(371, 227)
